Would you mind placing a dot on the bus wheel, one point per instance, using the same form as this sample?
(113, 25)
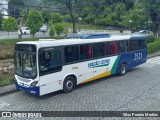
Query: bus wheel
(69, 84)
(123, 69)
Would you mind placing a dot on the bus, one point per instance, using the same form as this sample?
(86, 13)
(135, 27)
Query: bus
(87, 36)
(42, 67)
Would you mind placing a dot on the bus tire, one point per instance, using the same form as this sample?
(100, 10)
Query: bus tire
(123, 69)
(69, 84)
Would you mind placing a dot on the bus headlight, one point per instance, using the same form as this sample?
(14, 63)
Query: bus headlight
(34, 83)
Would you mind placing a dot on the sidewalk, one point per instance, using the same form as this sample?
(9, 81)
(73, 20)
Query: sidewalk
(11, 88)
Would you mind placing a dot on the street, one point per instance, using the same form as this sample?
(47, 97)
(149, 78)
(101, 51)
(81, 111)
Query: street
(13, 35)
(4, 35)
(138, 90)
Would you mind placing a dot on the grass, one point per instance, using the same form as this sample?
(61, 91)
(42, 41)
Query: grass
(7, 77)
(89, 27)
(7, 52)
(7, 46)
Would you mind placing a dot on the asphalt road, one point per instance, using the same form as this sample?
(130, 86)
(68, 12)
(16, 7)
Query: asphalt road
(4, 35)
(138, 90)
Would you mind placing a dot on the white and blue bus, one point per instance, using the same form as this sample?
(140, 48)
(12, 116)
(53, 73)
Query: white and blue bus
(42, 67)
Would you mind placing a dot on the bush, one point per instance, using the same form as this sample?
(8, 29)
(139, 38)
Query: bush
(154, 46)
(150, 38)
(59, 27)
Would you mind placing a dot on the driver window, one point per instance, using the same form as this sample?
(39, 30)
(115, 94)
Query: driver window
(50, 61)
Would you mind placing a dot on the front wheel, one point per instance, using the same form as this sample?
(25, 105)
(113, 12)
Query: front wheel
(123, 69)
(69, 84)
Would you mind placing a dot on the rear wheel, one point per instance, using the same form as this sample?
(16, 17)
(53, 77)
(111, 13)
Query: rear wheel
(69, 84)
(123, 69)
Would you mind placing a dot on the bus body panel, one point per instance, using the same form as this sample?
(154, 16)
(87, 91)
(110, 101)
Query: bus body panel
(24, 85)
(50, 83)
(85, 71)
(132, 59)
(78, 69)
(105, 67)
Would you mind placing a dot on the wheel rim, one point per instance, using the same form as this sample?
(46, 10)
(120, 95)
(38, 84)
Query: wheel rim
(123, 69)
(69, 85)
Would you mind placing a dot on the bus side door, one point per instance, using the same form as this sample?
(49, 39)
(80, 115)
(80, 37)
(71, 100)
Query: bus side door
(50, 70)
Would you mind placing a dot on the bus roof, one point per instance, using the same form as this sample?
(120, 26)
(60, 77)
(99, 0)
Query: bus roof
(61, 42)
(87, 36)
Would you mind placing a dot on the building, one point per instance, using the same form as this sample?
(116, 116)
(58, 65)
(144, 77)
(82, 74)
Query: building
(4, 8)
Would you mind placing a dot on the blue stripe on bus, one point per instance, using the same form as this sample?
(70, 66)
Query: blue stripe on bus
(28, 89)
(130, 59)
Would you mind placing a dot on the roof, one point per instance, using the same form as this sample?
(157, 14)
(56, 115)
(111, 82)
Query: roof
(53, 42)
(87, 36)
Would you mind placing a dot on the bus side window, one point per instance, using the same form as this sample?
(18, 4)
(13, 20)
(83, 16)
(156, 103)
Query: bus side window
(115, 47)
(85, 52)
(49, 61)
(98, 49)
(47, 58)
(141, 44)
(122, 46)
(71, 54)
(109, 48)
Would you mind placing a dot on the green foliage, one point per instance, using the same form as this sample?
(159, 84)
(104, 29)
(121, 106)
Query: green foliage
(34, 21)
(66, 30)
(154, 46)
(1, 18)
(59, 27)
(66, 18)
(150, 38)
(15, 7)
(136, 15)
(9, 24)
(56, 18)
(51, 32)
(46, 16)
(24, 14)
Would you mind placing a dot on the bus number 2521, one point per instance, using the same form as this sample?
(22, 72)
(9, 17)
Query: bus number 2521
(138, 56)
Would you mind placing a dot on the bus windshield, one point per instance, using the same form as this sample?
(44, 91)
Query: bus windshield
(25, 61)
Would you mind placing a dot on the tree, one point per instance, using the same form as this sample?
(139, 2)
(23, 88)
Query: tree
(152, 9)
(15, 6)
(72, 7)
(1, 18)
(34, 21)
(46, 16)
(59, 28)
(51, 32)
(56, 18)
(9, 24)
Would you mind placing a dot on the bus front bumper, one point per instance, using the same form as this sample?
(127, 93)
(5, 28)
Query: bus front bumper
(33, 90)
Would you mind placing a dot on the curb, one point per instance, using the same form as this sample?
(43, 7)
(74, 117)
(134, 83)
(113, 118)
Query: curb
(8, 92)
(158, 54)
(13, 89)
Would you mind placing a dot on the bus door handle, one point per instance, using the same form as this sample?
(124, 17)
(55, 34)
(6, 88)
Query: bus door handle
(43, 85)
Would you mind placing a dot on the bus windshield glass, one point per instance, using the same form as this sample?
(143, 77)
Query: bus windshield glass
(25, 61)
